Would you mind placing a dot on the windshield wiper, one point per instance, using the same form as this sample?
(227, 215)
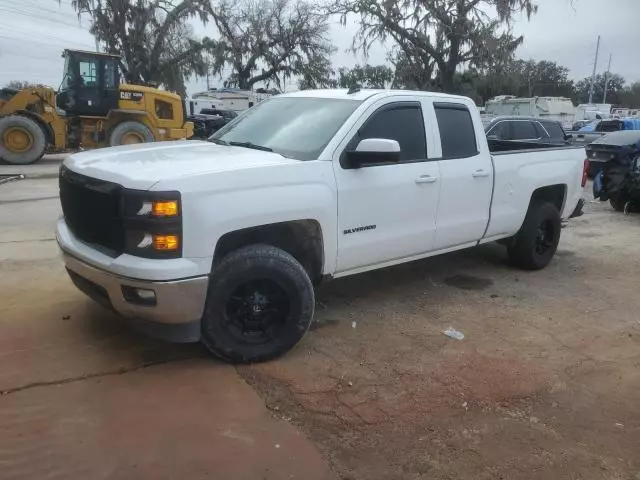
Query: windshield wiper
(251, 145)
(217, 142)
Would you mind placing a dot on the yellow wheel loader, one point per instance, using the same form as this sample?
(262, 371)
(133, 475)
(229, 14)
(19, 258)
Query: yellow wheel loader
(92, 109)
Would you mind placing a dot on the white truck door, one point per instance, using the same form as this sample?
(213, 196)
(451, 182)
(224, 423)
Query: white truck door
(466, 174)
(386, 212)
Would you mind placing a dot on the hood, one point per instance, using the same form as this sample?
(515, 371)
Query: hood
(142, 166)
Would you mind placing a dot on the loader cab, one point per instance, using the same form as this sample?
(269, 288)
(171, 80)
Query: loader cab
(89, 84)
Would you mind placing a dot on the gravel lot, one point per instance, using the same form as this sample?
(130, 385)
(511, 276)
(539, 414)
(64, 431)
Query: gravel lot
(545, 384)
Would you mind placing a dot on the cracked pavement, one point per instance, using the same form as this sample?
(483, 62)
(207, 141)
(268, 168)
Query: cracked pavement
(82, 396)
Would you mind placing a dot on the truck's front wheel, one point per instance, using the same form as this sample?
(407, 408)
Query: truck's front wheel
(537, 241)
(259, 305)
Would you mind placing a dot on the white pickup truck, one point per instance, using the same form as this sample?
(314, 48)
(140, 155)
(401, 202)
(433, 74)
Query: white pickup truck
(222, 241)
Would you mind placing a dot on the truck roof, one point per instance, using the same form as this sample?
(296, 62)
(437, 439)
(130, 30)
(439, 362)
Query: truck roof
(364, 93)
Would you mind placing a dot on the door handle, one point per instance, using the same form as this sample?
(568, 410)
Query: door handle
(480, 173)
(426, 179)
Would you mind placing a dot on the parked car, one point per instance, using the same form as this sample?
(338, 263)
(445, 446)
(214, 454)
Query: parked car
(222, 241)
(615, 161)
(596, 130)
(579, 124)
(209, 120)
(527, 129)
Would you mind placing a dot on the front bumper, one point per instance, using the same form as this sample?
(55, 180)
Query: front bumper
(178, 307)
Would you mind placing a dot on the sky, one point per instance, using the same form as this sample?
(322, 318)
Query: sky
(33, 34)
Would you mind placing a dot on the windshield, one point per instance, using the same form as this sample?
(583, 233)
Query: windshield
(296, 127)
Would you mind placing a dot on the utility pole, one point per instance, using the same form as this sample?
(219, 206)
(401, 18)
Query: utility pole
(208, 75)
(593, 75)
(606, 80)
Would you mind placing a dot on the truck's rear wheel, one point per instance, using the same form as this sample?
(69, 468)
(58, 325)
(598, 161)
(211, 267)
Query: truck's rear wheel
(259, 305)
(537, 241)
(129, 133)
(22, 140)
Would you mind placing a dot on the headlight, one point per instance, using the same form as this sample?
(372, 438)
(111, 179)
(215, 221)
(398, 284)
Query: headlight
(153, 224)
(159, 208)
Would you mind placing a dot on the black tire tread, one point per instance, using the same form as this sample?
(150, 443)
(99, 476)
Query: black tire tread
(520, 250)
(246, 256)
(617, 204)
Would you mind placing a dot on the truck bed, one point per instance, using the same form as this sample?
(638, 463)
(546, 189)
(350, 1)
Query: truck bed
(520, 166)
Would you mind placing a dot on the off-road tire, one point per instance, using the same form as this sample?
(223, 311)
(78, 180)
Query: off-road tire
(524, 252)
(38, 140)
(256, 263)
(125, 128)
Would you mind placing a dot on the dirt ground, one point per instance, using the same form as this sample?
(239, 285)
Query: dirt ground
(545, 384)
(83, 397)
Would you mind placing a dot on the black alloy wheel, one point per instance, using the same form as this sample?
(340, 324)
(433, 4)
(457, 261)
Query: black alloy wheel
(257, 310)
(545, 237)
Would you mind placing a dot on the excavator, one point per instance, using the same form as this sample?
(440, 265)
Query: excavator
(91, 109)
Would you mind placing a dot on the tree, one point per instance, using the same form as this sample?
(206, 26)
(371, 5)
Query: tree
(318, 74)
(522, 79)
(22, 84)
(366, 76)
(412, 71)
(544, 79)
(615, 86)
(630, 96)
(152, 37)
(270, 41)
(436, 37)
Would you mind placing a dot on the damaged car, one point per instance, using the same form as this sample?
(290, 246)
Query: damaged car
(617, 159)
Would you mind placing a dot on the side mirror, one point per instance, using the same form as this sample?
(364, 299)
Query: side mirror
(373, 151)
(568, 136)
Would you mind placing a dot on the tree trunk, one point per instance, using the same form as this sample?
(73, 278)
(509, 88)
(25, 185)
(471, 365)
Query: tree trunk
(447, 80)
(243, 81)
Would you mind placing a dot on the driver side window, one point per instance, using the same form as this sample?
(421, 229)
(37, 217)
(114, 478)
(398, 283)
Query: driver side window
(88, 73)
(400, 122)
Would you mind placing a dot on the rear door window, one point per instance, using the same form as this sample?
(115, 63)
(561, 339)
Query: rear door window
(611, 126)
(523, 130)
(109, 74)
(457, 133)
(540, 131)
(555, 131)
